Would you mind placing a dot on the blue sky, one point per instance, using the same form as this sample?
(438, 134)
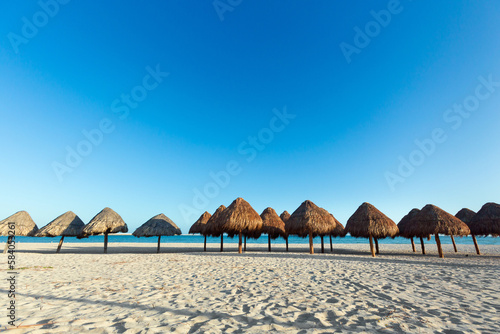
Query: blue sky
(352, 120)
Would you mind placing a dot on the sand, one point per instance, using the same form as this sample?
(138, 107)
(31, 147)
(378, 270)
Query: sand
(134, 290)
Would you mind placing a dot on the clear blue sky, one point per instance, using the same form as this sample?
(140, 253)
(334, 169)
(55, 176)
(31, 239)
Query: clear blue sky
(356, 112)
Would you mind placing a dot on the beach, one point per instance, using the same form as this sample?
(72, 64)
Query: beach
(185, 290)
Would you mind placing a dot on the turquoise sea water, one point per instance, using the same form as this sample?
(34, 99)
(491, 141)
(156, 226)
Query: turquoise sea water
(262, 240)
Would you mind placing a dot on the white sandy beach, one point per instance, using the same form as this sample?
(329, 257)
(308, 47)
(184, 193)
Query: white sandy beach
(134, 290)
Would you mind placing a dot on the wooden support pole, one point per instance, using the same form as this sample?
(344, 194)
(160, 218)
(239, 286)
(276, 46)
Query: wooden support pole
(7, 243)
(476, 245)
(286, 241)
(158, 248)
(438, 243)
(245, 246)
(454, 245)
(205, 244)
(331, 244)
(413, 245)
(106, 242)
(371, 246)
(422, 245)
(322, 245)
(269, 242)
(240, 244)
(222, 242)
(60, 244)
(311, 247)
(376, 246)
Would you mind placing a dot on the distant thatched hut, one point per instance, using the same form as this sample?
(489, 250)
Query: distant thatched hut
(284, 217)
(403, 226)
(66, 225)
(158, 226)
(466, 216)
(214, 227)
(19, 224)
(105, 222)
(272, 225)
(24, 225)
(310, 220)
(240, 218)
(433, 220)
(369, 222)
(486, 221)
(338, 231)
(199, 227)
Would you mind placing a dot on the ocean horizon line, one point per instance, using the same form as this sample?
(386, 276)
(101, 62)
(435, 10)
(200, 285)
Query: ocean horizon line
(196, 238)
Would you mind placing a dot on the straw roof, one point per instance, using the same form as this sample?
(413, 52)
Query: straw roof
(285, 216)
(487, 220)
(405, 223)
(213, 226)
(369, 221)
(434, 220)
(159, 225)
(465, 215)
(240, 217)
(105, 221)
(339, 230)
(68, 225)
(25, 226)
(311, 218)
(199, 225)
(272, 224)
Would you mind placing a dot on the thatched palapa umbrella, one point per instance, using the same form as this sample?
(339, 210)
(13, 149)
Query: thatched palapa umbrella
(310, 220)
(213, 227)
(199, 227)
(240, 218)
(486, 221)
(272, 225)
(403, 226)
(19, 224)
(105, 222)
(338, 231)
(66, 225)
(434, 220)
(284, 217)
(158, 226)
(466, 216)
(369, 222)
